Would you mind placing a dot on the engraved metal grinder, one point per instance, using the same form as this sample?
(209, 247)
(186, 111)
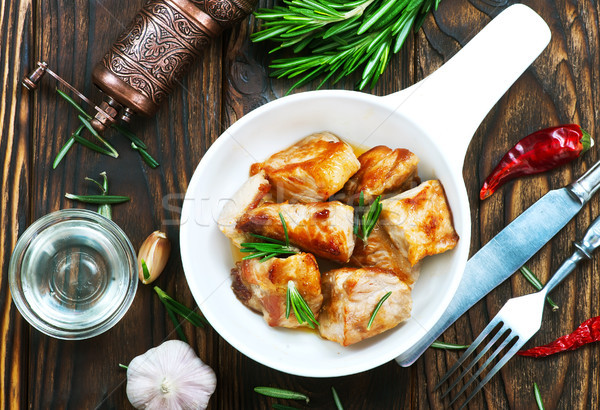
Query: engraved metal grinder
(149, 58)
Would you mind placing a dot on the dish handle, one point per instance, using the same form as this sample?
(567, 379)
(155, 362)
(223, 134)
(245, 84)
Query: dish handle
(450, 104)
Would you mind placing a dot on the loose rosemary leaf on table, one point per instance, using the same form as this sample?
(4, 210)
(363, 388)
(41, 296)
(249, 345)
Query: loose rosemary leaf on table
(338, 38)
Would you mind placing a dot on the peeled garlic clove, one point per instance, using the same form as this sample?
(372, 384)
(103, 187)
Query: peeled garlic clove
(155, 252)
(170, 376)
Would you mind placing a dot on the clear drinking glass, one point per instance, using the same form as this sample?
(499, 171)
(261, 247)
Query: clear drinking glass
(73, 274)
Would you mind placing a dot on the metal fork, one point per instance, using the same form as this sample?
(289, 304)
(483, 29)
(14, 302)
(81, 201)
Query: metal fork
(518, 320)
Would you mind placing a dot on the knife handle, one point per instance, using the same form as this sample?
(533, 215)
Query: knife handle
(586, 186)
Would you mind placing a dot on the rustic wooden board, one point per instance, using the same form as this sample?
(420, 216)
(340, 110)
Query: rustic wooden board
(230, 80)
(16, 24)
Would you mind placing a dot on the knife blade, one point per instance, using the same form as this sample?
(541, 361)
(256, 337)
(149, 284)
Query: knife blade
(508, 251)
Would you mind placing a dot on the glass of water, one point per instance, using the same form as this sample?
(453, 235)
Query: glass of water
(73, 274)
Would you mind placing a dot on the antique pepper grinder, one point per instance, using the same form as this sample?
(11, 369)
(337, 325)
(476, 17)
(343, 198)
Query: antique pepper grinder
(149, 58)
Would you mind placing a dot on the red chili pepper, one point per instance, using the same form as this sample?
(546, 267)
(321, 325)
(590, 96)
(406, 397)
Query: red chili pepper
(587, 332)
(538, 152)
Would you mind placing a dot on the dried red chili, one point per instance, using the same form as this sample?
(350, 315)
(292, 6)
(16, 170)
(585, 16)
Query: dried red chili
(587, 332)
(538, 152)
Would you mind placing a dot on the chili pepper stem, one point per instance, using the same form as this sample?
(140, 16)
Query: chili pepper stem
(586, 140)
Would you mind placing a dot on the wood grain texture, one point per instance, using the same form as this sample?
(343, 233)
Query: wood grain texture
(16, 24)
(230, 79)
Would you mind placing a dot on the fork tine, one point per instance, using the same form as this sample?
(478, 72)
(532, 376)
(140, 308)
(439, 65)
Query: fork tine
(513, 350)
(487, 347)
(502, 332)
(468, 352)
(505, 342)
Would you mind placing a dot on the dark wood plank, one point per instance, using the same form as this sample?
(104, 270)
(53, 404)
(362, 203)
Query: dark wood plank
(558, 88)
(16, 39)
(85, 374)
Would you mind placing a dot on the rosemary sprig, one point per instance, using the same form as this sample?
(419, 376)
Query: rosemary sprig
(448, 346)
(98, 199)
(294, 301)
(271, 247)
(85, 118)
(538, 396)
(377, 307)
(365, 223)
(281, 393)
(104, 209)
(536, 283)
(339, 37)
(175, 307)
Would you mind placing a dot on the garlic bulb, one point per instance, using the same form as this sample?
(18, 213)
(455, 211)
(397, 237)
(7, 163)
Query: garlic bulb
(170, 377)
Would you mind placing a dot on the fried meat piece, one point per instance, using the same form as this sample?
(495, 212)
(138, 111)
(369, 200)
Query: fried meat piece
(382, 171)
(322, 228)
(381, 252)
(420, 221)
(350, 297)
(311, 170)
(250, 194)
(262, 286)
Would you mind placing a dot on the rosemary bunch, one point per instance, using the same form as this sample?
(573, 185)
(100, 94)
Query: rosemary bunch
(339, 37)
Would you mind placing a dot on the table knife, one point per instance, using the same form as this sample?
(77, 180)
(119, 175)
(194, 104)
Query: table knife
(508, 251)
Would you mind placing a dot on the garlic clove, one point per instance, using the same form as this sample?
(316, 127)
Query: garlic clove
(170, 376)
(155, 253)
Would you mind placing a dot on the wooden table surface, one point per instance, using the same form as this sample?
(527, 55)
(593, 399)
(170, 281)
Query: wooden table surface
(231, 79)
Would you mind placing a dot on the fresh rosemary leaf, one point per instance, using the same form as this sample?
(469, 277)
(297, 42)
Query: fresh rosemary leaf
(74, 104)
(376, 310)
(177, 325)
(63, 151)
(281, 393)
(364, 222)
(302, 311)
(538, 396)
(105, 209)
(91, 129)
(336, 399)
(270, 248)
(130, 135)
(98, 199)
(145, 270)
(182, 310)
(536, 283)
(448, 346)
(152, 163)
(88, 144)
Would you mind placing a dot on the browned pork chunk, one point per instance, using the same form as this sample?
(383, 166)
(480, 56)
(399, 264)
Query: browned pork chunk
(322, 228)
(419, 220)
(311, 170)
(262, 286)
(382, 171)
(247, 197)
(381, 252)
(350, 297)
